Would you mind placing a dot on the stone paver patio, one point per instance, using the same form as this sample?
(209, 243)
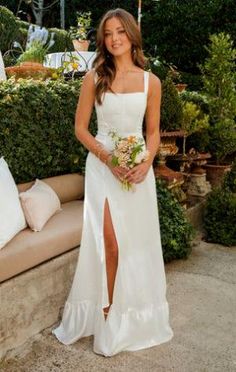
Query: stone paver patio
(201, 293)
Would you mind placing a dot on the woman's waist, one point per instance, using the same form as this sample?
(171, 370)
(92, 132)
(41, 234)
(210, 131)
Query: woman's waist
(120, 133)
(106, 138)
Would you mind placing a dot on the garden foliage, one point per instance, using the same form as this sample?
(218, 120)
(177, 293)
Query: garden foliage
(12, 29)
(37, 128)
(171, 107)
(230, 178)
(8, 28)
(220, 217)
(219, 80)
(176, 232)
(220, 211)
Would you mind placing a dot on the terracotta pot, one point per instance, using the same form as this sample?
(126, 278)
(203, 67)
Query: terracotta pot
(168, 148)
(199, 160)
(81, 45)
(34, 70)
(215, 173)
(181, 87)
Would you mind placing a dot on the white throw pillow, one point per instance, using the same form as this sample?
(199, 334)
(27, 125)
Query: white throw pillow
(12, 218)
(39, 203)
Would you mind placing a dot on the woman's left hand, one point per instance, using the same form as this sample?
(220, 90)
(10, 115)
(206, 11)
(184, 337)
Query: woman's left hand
(138, 173)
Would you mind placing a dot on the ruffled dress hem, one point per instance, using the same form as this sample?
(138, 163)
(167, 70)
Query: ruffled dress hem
(148, 325)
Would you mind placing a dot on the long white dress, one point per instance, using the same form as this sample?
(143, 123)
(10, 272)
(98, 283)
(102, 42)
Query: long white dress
(139, 314)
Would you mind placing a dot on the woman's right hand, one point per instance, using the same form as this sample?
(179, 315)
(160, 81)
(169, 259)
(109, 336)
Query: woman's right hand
(117, 171)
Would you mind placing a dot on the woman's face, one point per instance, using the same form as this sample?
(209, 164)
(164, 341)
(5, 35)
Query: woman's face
(115, 38)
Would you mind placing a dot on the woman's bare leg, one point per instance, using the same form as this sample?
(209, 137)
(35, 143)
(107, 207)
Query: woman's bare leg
(111, 251)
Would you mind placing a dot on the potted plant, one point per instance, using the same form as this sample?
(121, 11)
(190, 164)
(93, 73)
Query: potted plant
(193, 121)
(30, 61)
(171, 117)
(79, 33)
(219, 79)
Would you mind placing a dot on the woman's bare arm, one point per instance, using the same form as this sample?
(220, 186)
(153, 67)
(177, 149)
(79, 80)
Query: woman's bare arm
(83, 115)
(152, 119)
(82, 119)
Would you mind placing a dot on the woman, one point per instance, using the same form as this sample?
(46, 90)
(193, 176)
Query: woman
(119, 288)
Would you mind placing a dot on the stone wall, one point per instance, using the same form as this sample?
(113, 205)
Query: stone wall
(32, 300)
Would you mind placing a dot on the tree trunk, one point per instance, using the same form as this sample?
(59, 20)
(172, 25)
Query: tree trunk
(37, 8)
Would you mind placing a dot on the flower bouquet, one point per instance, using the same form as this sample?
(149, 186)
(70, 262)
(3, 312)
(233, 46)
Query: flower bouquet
(128, 152)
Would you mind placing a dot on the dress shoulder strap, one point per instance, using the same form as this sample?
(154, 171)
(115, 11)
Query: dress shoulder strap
(146, 80)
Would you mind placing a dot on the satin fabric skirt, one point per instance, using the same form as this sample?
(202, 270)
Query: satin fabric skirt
(139, 314)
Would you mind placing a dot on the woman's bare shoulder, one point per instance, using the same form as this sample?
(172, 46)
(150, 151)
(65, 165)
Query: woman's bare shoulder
(89, 80)
(89, 76)
(154, 81)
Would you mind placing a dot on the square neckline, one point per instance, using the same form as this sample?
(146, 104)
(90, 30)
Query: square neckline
(145, 91)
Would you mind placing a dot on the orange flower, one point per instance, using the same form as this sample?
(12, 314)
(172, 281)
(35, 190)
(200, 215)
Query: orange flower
(131, 139)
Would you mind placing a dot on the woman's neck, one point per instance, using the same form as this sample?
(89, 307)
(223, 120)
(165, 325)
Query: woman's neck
(124, 64)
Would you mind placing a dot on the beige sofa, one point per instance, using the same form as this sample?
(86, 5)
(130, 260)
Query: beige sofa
(36, 268)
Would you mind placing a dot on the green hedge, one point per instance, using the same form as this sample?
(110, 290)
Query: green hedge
(220, 211)
(171, 107)
(8, 28)
(37, 128)
(62, 41)
(220, 217)
(230, 178)
(176, 231)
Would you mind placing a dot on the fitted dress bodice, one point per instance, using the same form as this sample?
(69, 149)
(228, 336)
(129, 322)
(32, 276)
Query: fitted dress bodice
(122, 112)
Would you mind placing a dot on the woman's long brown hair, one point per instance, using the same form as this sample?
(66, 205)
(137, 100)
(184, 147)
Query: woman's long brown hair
(104, 64)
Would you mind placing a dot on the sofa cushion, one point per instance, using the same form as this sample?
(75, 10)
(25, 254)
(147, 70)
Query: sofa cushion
(68, 187)
(27, 249)
(39, 203)
(12, 218)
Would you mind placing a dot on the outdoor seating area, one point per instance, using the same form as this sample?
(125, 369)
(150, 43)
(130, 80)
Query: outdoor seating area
(29, 254)
(43, 61)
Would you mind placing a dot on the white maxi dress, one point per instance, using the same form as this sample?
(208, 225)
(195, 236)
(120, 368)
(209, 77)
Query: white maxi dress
(138, 317)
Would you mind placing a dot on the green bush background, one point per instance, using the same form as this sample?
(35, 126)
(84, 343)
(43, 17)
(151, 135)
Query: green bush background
(220, 211)
(176, 232)
(37, 128)
(220, 217)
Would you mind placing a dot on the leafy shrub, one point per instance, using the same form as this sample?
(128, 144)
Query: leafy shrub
(37, 128)
(230, 178)
(198, 140)
(220, 217)
(21, 36)
(219, 79)
(8, 28)
(62, 41)
(198, 98)
(193, 81)
(176, 231)
(171, 107)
